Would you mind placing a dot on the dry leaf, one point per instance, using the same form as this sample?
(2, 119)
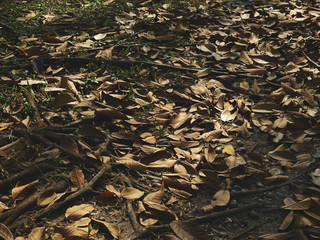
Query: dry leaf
(287, 221)
(78, 211)
(73, 232)
(77, 177)
(37, 234)
(5, 233)
(20, 192)
(155, 197)
(221, 198)
(204, 72)
(131, 193)
(229, 150)
(112, 228)
(46, 197)
(188, 230)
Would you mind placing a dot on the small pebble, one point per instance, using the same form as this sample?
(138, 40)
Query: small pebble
(270, 195)
(280, 195)
(4, 198)
(260, 200)
(218, 149)
(235, 226)
(229, 187)
(233, 191)
(233, 203)
(253, 214)
(259, 184)
(223, 234)
(237, 187)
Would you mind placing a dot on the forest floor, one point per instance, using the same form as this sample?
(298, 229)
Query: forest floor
(159, 119)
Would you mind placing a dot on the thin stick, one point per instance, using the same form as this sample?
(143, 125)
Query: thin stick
(307, 57)
(71, 198)
(214, 215)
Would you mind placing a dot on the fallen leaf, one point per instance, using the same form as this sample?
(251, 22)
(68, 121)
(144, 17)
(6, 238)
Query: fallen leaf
(78, 211)
(5, 233)
(131, 193)
(112, 228)
(77, 177)
(229, 150)
(221, 198)
(20, 192)
(188, 230)
(37, 234)
(107, 197)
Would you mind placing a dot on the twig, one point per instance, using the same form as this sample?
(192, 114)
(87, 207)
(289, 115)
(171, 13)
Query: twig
(75, 156)
(260, 190)
(127, 62)
(132, 215)
(245, 232)
(54, 207)
(267, 189)
(14, 213)
(31, 100)
(214, 215)
(31, 171)
(307, 57)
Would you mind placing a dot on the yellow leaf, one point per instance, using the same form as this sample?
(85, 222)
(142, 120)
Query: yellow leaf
(229, 150)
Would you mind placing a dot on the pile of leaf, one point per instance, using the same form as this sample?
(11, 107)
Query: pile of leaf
(163, 102)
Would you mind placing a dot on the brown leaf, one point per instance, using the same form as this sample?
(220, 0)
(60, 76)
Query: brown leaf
(78, 211)
(155, 156)
(37, 234)
(110, 113)
(204, 72)
(77, 177)
(234, 161)
(254, 158)
(226, 115)
(73, 232)
(184, 144)
(255, 87)
(133, 165)
(5, 233)
(20, 192)
(277, 236)
(178, 168)
(277, 178)
(283, 156)
(155, 197)
(112, 228)
(301, 205)
(179, 183)
(244, 57)
(147, 219)
(287, 221)
(107, 197)
(265, 107)
(70, 144)
(162, 164)
(188, 230)
(113, 189)
(161, 210)
(63, 99)
(131, 193)
(105, 54)
(221, 198)
(90, 131)
(178, 120)
(46, 197)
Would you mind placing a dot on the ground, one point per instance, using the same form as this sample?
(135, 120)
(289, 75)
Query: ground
(159, 119)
